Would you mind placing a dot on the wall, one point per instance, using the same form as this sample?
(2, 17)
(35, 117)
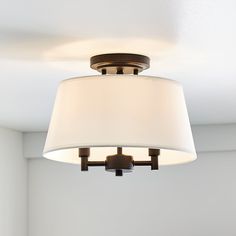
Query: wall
(13, 184)
(194, 199)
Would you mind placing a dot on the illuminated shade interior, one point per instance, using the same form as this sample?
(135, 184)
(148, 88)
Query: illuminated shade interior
(108, 111)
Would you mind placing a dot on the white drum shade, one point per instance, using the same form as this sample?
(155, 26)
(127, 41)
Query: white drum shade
(108, 111)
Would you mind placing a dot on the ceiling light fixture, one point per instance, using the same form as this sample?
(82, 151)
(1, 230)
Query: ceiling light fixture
(120, 119)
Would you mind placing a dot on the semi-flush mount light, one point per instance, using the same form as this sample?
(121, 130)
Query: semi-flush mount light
(120, 119)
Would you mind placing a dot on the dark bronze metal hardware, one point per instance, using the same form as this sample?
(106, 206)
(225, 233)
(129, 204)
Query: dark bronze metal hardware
(119, 63)
(104, 71)
(154, 153)
(84, 154)
(119, 162)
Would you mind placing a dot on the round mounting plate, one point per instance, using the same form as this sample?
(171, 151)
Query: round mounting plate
(126, 63)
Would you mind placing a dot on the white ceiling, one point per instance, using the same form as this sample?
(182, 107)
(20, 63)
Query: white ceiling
(43, 42)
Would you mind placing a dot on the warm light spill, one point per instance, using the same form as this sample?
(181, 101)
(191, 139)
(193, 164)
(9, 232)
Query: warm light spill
(84, 49)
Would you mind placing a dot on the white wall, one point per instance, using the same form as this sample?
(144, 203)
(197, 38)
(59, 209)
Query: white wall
(194, 199)
(197, 199)
(13, 184)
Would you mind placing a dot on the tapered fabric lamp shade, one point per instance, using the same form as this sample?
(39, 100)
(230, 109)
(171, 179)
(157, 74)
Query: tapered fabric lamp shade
(108, 111)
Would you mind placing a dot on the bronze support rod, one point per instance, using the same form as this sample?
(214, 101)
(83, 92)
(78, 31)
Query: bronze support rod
(96, 163)
(142, 163)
